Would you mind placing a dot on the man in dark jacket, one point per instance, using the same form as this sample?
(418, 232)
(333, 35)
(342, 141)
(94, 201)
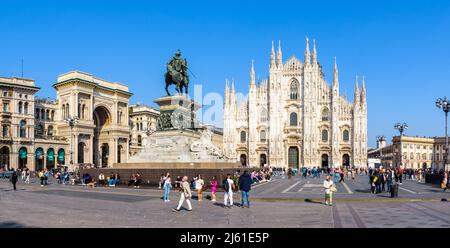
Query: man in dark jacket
(14, 179)
(245, 184)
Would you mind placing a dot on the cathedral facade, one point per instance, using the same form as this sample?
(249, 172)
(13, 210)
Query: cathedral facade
(294, 118)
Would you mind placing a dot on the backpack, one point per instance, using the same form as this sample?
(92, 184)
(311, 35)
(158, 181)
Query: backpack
(226, 185)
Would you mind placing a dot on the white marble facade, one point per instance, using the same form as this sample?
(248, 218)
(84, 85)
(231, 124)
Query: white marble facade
(294, 118)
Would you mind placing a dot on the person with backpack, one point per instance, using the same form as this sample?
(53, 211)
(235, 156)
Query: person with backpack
(186, 194)
(228, 186)
(245, 183)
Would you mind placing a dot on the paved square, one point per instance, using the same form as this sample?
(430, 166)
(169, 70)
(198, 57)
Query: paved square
(282, 202)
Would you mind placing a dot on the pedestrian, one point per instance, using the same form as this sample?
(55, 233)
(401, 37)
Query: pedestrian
(185, 194)
(341, 174)
(213, 184)
(245, 183)
(389, 180)
(138, 181)
(329, 189)
(14, 179)
(27, 180)
(444, 182)
(228, 186)
(161, 181)
(41, 176)
(167, 186)
(199, 186)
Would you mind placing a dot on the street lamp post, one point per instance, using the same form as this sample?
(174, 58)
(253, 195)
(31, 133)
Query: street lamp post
(71, 121)
(381, 138)
(444, 104)
(401, 127)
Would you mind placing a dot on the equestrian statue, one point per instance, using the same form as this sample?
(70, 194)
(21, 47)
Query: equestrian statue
(177, 74)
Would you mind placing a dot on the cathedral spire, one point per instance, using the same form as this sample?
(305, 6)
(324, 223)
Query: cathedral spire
(272, 57)
(279, 55)
(314, 53)
(335, 73)
(307, 53)
(357, 97)
(227, 89)
(252, 75)
(363, 92)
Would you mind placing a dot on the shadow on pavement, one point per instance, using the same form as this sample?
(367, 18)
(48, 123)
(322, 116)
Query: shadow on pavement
(312, 201)
(363, 190)
(11, 224)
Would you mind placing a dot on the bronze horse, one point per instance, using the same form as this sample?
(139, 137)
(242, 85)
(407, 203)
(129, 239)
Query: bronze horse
(179, 81)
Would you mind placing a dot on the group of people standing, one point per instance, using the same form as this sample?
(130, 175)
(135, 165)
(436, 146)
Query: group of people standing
(229, 186)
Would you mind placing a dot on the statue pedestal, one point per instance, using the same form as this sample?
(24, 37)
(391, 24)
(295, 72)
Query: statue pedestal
(177, 112)
(179, 139)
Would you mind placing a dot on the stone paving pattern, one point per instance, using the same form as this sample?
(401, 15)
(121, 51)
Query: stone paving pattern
(76, 206)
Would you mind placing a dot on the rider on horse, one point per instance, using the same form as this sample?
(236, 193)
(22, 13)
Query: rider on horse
(177, 73)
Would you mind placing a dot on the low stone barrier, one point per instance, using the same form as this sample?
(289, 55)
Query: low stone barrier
(151, 177)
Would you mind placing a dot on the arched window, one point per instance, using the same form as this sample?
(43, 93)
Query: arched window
(262, 136)
(325, 114)
(345, 136)
(294, 90)
(263, 115)
(5, 131)
(25, 108)
(50, 131)
(139, 140)
(324, 135)
(53, 115)
(243, 137)
(293, 119)
(42, 114)
(39, 131)
(79, 110)
(83, 111)
(67, 111)
(47, 114)
(64, 111)
(20, 107)
(22, 129)
(38, 114)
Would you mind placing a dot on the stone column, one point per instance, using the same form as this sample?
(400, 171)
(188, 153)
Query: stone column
(91, 149)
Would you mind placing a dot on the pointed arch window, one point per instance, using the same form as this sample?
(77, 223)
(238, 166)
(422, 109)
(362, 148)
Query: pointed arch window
(243, 137)
(325, 114)
(263, 115)
(293, 119)
(324, 135)
(294, 90)
(262, 136)
(346, 136)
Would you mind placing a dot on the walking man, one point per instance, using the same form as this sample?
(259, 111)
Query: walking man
(14, 179)
(186, 194)
(245, 183)
(228, 186)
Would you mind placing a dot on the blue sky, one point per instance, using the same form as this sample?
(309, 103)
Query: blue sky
(402, 47)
